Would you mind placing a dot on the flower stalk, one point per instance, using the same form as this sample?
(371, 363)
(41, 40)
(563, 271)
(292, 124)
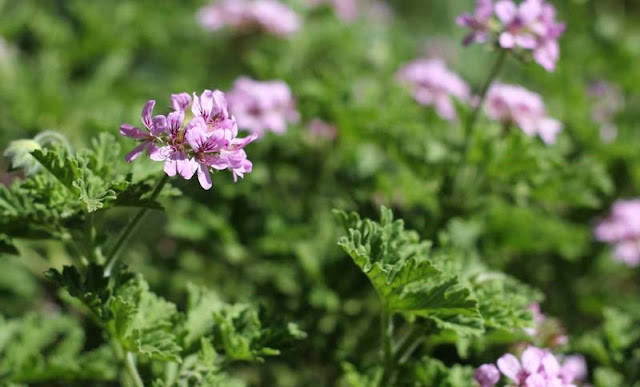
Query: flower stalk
(112, 257)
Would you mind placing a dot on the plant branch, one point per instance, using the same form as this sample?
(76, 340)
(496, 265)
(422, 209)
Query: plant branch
(386, 323)
(133, 370)
(112, 257)
(473, 117)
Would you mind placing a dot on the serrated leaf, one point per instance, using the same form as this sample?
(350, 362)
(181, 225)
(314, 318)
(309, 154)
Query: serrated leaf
(37, 349)
(406, 280)
(142, 322)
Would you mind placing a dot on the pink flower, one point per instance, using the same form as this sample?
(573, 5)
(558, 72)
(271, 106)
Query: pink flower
(156, 126)
(516, 105)
(574, 368)
(208, 141)
(211, 106)
(321, 129)
(247, 15)
(487, 375)
(536, 367)
(478, 22)
(262, 106)
(622, 229)
(179, 102)
(433, 84)
(531, 26)
(518, 22)
(174, 154)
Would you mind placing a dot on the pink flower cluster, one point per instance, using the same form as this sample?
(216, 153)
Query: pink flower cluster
(513, 104)
(208, 141)
(622, 228)
(608, 100)
(530, 25)
(433, 84)
(262, 106)
(536, 368)
(246, 16)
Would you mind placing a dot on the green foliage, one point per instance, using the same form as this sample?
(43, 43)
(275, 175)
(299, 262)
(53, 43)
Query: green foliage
(39, 348)
(614, 346)
(414, 281)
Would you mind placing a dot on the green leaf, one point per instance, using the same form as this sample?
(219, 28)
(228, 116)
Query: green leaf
(239, 332)
(92, 290)
(143, 322)
(41, 348)
(431, 372)
(399, 267)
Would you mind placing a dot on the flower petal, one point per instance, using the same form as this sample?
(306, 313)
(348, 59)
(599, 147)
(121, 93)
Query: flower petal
(203, 176)
(510, 367)
(506, 11)
(146, 113)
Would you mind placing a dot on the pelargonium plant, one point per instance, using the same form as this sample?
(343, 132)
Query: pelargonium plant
(527, 26)
(262, 106)
(433, 84)
(622, 229)
(512, 104)
(246, 16)
(207, 141)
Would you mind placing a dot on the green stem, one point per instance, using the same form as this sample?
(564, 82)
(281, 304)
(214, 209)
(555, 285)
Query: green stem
(473, 117)
(133, 370)
(112, 257)
(386, 323)
(408, 345)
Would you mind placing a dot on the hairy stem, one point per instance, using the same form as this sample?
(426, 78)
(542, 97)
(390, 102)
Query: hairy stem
(133, 370)
(408, 345)
(473, 117)
(112, 257)
(386, 323)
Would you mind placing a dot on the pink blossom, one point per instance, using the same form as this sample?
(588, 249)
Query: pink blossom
(319, 128)
(174, 154)
(478, 22)
(209, 140)
(513, 104)
(537, 368)
(245, 16)
(262, 106)
(433, 84)
(180, 102)
(622, 229)
(574, 368)
(212, 106)
(529, 25)
(156, 126)
(608, 100)
(487, 375)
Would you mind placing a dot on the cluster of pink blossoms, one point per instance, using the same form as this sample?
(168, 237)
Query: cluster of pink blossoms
(530, 25)
(536, 368)
(246, 16)
(512, 104)
(262, 106)
(433, 84)
(208, 141)
(622, 228)
(608, 101)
